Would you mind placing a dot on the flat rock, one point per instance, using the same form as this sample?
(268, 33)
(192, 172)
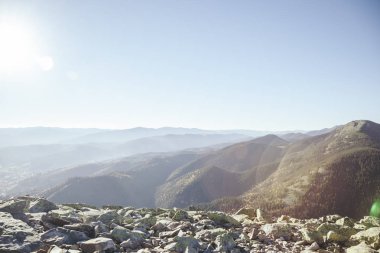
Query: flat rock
(98, 244)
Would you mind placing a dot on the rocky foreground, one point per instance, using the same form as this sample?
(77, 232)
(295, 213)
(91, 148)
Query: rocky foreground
(30, 224)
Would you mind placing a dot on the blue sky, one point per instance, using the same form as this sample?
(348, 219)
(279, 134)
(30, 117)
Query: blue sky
(266, 65)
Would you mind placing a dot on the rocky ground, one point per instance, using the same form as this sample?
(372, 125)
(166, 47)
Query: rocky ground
(36, 225)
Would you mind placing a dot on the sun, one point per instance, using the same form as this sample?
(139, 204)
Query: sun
(16, 47)
(18, 51)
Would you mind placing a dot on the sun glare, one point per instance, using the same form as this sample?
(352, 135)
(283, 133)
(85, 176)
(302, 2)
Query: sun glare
(16, 47)
(18, 51)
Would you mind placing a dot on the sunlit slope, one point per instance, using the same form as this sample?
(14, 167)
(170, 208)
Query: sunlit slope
(129, 181)
(338, 172)
(227, 172)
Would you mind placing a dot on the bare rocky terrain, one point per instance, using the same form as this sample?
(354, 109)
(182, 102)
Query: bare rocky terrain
(29, 224)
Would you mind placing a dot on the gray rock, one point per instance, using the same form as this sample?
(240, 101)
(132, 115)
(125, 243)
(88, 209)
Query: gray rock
(180, 215)
(121, 234)
(262, 216)
(360, 248)
(222, 218)
(16, 235)
(225, 242)
(311, 235)
(186, 243)
(59, 236)
(13, 206)
(85, 228)
(370, 221)
(277, 230)
(98, 244)
(41, 205)
(110, 217)
(370, 236)
(314, 246)
(56, 249)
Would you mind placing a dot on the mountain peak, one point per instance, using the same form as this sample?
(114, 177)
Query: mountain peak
(270, 139)
(370, 128)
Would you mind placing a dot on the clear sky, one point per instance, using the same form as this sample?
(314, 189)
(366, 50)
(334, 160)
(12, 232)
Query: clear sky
(266, 65)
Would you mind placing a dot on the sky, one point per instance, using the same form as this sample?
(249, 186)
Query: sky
(212, 64)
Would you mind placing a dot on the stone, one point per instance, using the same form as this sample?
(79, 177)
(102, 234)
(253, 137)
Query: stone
(131, 244)
(222, 218)
(314, 246)
(370, 236)
(183, 243)
(59, 236)
(277, 230)
(16, 235)
(41, 205)
(13, 206)
(370, 221)
(120, 234)
(247, 211)
(85, 228)
(110, 217)
(262, 216)
(345, 221)
(180, 215)
(225, 242)
(56, 249)
(310, 235)
(360, 248)
(284, 219)
(98, 244)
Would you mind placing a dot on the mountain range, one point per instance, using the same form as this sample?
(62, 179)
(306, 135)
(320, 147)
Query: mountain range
(334, 170)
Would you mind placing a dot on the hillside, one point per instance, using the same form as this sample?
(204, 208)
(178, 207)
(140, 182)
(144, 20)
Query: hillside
(310, 177)
(30, 161)
(227, 172)
(322, 174)
(130, 182)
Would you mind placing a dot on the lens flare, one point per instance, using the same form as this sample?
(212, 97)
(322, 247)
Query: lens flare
(375, 209)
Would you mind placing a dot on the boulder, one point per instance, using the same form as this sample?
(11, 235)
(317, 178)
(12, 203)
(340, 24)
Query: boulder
(85, 228)
(41, 205)
(262, 216)
(247, 211)
(277, 230)
(180, 215)
(98, 244)
(222, 218)
(59, 236)
(345, 221)
(370, 221)
(183, 243)
(16, 235)
(370, 236)
(225, 242)
(311, 235)
(56, 249)
(110, 217)
(13, 206)
(360, 248)
(120, 234)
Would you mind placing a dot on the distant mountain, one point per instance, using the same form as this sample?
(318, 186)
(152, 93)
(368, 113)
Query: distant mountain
(328, 173)
(41, 135)
(34, 159)
(227, 172)
(131, 181)
(293, 137)
(119, 136)
(163, 175)
(296, 174)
